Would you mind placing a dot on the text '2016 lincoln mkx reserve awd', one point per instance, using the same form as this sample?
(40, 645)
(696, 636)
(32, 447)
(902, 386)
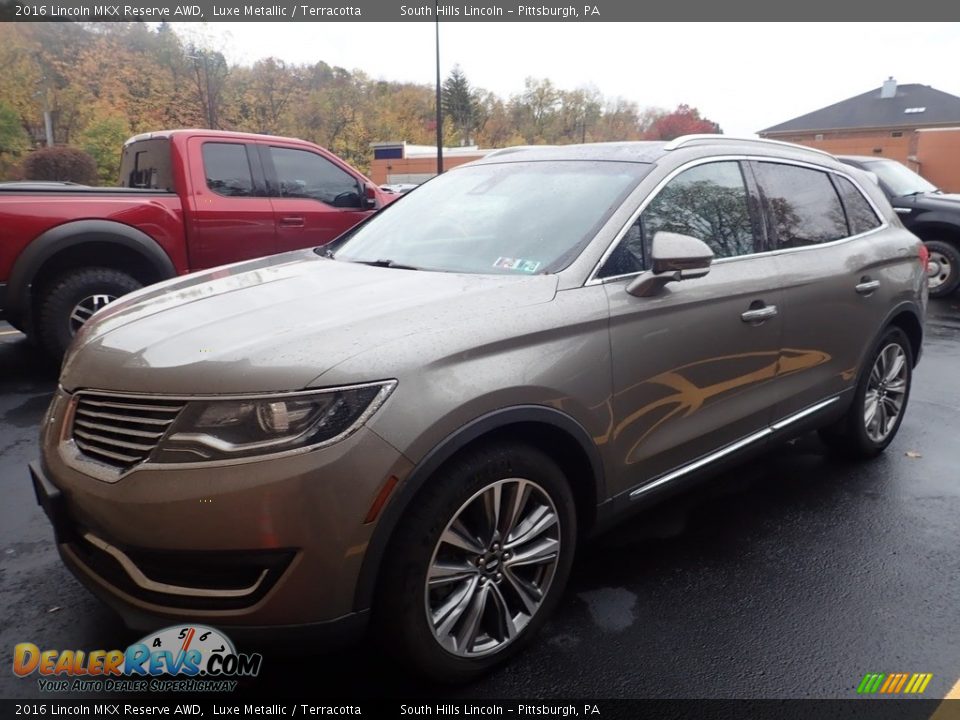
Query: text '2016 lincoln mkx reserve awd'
(415, 425)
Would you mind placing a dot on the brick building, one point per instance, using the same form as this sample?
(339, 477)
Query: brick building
(402, 163)
(915, 124)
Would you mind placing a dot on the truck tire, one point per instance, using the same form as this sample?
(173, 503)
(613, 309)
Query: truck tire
(945, 264)
(67, 302)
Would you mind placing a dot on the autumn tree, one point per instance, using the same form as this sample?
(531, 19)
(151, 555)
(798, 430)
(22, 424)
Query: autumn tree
(579, 112)
(685, 120)
(98, 82)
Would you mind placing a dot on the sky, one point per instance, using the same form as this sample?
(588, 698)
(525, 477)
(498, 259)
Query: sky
(744, 76)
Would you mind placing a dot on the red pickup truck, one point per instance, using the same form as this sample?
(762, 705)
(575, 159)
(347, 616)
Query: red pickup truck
(190, 199)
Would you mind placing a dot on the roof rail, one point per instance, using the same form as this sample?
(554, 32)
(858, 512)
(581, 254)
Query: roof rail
(516, 148)
(685, 139)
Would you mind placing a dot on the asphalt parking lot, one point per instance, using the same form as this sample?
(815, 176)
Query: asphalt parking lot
(790, 577)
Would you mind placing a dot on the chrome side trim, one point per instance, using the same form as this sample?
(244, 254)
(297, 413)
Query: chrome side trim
(804, 413)
(592, 278)
(706, 460)
(733, 447)
(153, 586)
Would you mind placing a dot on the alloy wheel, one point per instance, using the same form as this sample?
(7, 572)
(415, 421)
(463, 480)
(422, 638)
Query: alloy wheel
(85, 308)
(492, 567)
(886, 391)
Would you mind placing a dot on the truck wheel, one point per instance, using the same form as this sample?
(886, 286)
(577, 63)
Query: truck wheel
(479, 562)
(69, 301)
(943, 268)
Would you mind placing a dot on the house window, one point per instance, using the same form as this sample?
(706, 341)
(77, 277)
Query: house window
(896, 133)
(818, 136)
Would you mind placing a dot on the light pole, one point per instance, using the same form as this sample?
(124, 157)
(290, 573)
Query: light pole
(436, 10)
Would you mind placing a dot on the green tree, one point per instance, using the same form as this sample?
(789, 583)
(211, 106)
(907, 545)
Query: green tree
(460, 104)
(13, 139)
(103, 139)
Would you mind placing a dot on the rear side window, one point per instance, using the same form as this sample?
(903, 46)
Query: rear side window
(146, 164)
(803, 206)
(227, 169)
(709, 202)
(860, 215)
(303, 174)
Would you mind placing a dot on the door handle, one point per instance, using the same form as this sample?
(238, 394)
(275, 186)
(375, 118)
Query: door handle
(758, 315)
(292, 221)
(867, 286)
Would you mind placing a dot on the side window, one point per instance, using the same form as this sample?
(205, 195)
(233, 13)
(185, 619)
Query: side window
(227, 169)
(709, 202)
(303, 174)
(628, 257)
(860, 215)
(802, 203)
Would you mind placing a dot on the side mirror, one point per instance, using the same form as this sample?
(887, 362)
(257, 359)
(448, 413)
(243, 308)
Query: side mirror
(675, 257)
(370, 201)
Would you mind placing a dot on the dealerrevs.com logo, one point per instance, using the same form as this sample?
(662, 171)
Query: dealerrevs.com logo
(188, 658)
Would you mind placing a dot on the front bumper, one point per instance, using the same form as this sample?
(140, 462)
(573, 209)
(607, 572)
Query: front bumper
(270, 545)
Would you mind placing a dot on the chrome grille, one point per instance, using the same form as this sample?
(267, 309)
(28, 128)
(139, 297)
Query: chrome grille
(121, 430)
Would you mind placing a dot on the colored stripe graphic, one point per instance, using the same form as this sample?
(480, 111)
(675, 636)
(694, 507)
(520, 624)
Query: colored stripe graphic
(894, 683)
(870, 683)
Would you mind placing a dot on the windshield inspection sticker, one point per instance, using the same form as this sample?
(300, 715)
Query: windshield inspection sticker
(527, 266)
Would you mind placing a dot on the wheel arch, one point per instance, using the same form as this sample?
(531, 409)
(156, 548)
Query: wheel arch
(95, 243)
(938, 226)
(907, 318)
(550, 430)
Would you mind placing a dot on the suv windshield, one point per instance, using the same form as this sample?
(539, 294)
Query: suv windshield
(900, 179)
(518, 217)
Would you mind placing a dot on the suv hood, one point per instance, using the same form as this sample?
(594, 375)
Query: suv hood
(276, 323)
(932, 201)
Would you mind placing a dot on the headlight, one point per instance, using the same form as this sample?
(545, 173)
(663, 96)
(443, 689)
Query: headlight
(246, 427)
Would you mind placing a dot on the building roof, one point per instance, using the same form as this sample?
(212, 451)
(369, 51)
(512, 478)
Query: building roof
(910, 106)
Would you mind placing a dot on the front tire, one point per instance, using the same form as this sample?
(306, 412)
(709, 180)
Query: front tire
(69, 301)
(943, 268)
(879, 402)
(479, 563)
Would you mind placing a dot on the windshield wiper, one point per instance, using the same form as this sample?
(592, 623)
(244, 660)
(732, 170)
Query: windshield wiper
(386, 264)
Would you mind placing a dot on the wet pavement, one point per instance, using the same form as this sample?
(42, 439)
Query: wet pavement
(792, 576)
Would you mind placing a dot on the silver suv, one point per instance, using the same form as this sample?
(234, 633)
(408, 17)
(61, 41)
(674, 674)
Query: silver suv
(417, 424)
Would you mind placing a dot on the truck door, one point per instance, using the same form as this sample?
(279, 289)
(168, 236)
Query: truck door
(230, 217)
(314, 198)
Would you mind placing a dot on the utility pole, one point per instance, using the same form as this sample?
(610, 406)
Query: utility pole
(436, 10)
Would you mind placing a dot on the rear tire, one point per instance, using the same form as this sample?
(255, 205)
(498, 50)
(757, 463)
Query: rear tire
(945, 259)
(67, 302)
(879, 402)
(453, 628)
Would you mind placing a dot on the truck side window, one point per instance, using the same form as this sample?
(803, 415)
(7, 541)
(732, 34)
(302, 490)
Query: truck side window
(227, 169)
(303, 174)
